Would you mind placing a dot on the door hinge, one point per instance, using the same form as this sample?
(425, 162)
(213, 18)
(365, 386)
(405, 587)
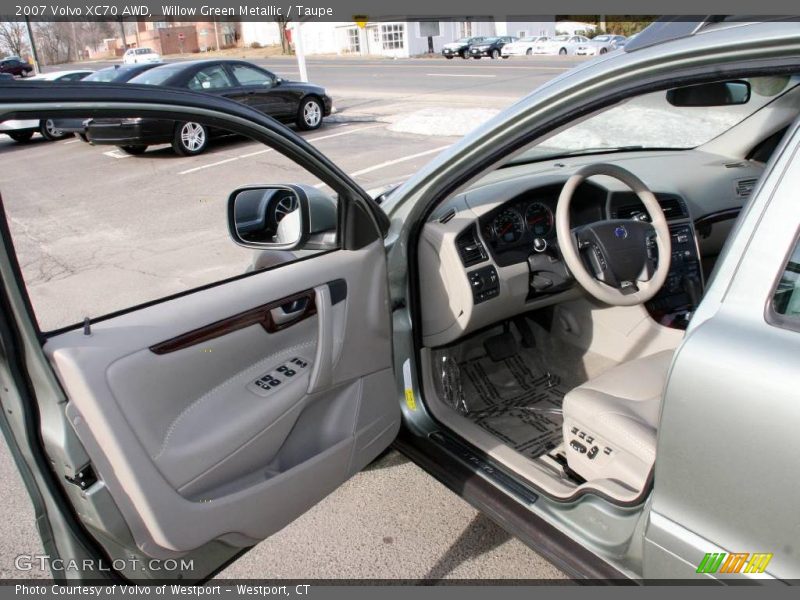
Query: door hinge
(84, 478)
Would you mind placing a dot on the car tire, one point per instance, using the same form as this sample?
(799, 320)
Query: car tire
(603, 50)
(310, 114)
(476, 57)
(449, 57)
(133, 150)
(190, 138)
(21, 136)
(495, 54)
(507, 56)
(50, 132)
(83, 137)
(529, 52)
(563, 52)
(465, 55)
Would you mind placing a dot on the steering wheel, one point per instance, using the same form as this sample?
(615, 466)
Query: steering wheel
(615, 260)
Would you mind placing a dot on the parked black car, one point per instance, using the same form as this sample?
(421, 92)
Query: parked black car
(115, 74)
(460, 47)
(16, 66)
(490, 46)
(303, 103)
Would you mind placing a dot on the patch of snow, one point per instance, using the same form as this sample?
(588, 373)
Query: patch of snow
(443, 121)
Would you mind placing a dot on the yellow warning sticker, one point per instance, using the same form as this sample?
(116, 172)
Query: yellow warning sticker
(410, 402)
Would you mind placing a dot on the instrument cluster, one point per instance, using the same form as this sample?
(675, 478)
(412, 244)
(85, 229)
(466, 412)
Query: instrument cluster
(519, 223)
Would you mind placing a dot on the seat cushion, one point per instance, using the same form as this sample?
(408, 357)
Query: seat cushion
(611, 421)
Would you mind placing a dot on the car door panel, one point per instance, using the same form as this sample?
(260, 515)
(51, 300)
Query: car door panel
(166, 402)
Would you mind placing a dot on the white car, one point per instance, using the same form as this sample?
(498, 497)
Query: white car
(601, 44)
(524, 46)
(561, 44)
(63, 76)
(134, 56)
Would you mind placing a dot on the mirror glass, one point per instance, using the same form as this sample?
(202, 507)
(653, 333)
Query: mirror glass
(268, 215)
(720, 93)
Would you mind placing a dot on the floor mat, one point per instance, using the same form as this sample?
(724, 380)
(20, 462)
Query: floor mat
(516, 399)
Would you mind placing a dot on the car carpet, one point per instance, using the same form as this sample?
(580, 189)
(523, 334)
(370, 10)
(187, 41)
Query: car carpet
(514, 399)
(518, 399)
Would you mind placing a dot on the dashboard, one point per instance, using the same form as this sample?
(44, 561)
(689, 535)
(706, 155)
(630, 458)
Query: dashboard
(511, 229)
(490, 253)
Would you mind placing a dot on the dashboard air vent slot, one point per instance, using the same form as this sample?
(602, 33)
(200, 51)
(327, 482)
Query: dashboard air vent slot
(470, 248)
(673, 207)
(448, 214)
(745, 187)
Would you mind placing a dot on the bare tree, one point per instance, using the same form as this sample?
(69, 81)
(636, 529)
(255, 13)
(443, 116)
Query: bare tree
(283, 23)
(13, 37)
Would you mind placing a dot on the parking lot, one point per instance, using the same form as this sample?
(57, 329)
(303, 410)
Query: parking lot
(97, 230)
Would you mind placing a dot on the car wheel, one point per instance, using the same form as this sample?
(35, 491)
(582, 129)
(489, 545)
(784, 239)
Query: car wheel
(476, 57)
(133, 150)
(449, 57)
(309, 115)
(465, 55)
(495, 54)
(603, 50)
(50, 132)
(563, 52)
(506, 56)
(21, 136)
(190, 139)
(529, 52)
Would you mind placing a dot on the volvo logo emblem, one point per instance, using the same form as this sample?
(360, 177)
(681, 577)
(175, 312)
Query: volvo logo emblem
(620, 232)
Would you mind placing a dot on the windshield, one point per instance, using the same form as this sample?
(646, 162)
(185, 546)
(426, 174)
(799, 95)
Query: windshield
(489, 40)
(461, 41)
(602, 38)
(155, 76)
(650, 122)
(561, 38)
(107, 74)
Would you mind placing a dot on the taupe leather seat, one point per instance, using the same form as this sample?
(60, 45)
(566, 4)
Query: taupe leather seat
(611, 421)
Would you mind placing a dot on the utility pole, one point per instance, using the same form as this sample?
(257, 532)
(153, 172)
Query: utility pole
(122, 31)
(35, 54)
(298, 49)
(216, 33)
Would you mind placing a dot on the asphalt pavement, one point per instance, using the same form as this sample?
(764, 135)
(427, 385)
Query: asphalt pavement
(114, 230)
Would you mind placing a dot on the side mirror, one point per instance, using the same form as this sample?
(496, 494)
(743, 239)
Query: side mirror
(720, 93)
(282, 217)
(278, 81)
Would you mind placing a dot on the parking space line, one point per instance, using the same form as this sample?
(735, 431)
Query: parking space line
(117, 154)
(265, 150)
(214, 164)
(71, 141)
(389, 163)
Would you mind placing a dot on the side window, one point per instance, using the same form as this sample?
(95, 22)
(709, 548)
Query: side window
(210, 78)
(246, 75)
(139, 226)
(786, 300)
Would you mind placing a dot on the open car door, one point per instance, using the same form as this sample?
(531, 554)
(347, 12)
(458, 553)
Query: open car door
(197, 425)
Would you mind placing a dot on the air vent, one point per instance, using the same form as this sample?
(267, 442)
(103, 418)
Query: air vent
(673, 207)
(469, 247)
(745, 187)
(448, 214)
(736, 165)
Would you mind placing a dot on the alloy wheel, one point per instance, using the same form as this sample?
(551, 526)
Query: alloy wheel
(193, 136)
(312, 114)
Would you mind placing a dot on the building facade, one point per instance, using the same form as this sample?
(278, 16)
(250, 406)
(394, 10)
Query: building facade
(398, 39)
